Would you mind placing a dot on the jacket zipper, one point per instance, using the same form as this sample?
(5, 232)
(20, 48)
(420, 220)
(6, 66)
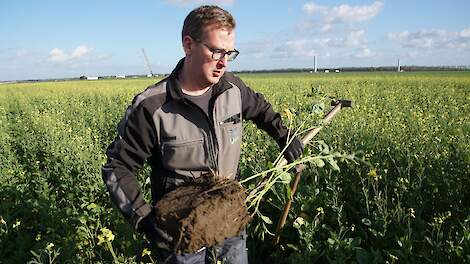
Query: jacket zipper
(211, 138)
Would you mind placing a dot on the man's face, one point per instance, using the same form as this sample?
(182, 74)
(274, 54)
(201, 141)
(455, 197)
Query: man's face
(205, 69)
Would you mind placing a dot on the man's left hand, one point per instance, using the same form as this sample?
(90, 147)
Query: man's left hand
(294, 150)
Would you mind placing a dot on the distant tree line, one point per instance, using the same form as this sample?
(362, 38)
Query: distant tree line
(365, 69)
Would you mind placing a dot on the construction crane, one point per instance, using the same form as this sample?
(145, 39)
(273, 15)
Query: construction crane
(147, 62)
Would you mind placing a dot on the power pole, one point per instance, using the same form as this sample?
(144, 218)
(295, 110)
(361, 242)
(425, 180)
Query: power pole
(147, 62)
(314, 63)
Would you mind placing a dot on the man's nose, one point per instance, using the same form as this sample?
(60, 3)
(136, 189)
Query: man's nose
(223, 61)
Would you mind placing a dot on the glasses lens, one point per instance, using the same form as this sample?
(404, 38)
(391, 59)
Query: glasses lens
(218, 54)
(231, 55)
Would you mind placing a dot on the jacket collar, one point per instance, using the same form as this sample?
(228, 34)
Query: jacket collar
(176, 93)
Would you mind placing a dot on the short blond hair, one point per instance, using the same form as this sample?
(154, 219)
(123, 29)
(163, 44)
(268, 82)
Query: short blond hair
(203, 16)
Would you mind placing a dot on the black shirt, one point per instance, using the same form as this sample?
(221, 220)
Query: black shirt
(201, 100)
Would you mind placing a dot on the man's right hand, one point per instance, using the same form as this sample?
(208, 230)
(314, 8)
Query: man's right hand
(157, 236)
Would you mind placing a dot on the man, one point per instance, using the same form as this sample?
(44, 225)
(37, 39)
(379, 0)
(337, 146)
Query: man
(186, 125)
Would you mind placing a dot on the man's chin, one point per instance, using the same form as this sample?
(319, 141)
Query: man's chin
(214, 78)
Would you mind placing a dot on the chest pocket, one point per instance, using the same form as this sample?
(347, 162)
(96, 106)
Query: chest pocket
(184, 154)
(231, 127)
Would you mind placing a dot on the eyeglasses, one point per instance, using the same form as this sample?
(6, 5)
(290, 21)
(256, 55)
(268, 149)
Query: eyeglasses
(218, 54)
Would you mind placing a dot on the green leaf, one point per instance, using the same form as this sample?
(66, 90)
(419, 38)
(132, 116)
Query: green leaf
(330, 241)
(333, 164)
(319, 162)
(266, 219)
(285, 177)
(325, 148)
(91, 206)
(366, 221)
(291, 246)
(288, 192)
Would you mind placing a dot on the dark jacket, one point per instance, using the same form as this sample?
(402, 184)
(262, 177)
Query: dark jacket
(179, 141)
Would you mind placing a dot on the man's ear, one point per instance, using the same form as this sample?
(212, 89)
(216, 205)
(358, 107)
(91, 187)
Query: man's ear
(188, 43)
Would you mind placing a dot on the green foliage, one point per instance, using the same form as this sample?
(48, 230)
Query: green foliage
(404, 199)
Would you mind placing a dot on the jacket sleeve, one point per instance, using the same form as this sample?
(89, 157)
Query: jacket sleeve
(257, 109)
(133, 145)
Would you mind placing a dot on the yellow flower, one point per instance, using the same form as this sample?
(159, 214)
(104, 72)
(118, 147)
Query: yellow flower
(373, 174)
(106, 236)
(17, 223)
(2, 221)
(289, 115)
(320, 211)
(412, 212)
(393, 257)
(101, 239)
(145, 252)
(49, 246)
(299, 221)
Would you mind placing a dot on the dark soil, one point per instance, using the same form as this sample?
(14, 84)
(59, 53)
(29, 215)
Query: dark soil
(202, 213)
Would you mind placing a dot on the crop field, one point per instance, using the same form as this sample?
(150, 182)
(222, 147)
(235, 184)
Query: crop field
(396, 188)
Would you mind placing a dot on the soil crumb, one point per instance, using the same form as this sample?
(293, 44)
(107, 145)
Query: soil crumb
(202, 213)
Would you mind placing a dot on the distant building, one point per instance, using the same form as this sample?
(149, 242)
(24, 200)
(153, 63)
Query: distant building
(336, 70)
(120, 76)
(327, 71)
(83, 77)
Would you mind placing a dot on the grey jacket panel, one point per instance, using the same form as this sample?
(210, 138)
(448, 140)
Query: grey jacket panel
(133, 145)
(228, 127)
(183, 139)
(179, 141)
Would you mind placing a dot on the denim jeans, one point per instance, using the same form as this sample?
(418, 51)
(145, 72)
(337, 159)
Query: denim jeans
(231, 251)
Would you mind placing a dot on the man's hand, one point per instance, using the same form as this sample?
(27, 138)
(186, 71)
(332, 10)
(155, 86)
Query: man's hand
(158, 237)
(294, 150)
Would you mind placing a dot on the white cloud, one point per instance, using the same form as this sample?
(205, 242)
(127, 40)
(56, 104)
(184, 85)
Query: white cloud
(310, 47)
(255, 49)
(326, 28)
(295, 48)
(22, 53)
(355, 38)
(311, 8)
(351, 14)
(344, 13)
(364, 53)
(58, 55)
(432, 38)
(465, 33)
(80, 51)
(399, 36)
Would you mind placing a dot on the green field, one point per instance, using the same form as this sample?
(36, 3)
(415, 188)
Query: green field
(404, 197)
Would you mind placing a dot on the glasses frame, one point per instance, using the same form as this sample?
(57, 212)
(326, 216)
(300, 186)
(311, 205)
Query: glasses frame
(223, 52)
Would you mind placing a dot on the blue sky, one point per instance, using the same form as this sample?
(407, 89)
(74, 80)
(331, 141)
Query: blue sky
(56, 39)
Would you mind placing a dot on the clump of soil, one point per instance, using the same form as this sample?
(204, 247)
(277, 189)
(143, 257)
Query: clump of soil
(202, 213)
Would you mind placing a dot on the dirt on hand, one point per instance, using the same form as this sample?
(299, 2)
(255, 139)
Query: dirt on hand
(202, 213)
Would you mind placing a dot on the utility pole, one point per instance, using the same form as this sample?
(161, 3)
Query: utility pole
(314, 63)
(147, 62)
